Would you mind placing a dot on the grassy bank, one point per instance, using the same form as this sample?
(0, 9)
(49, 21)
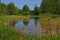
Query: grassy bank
(11, 17)
(50, 20)
(7, 33)
(46, 20)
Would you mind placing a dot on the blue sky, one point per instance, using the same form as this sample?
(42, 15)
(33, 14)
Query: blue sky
(20, 3)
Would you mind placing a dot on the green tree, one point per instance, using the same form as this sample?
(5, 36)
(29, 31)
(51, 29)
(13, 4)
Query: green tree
(25, 10)
(3, 9)
(36, 10)
(16, 12)
(58, 6)
(19, 12)
(31, 12)
(48, 6)
(11, 9)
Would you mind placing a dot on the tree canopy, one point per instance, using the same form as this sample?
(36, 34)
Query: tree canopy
(47, 6)
(50, 6)
(25, 10)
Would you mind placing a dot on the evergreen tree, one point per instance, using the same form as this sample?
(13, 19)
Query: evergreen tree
(48, 6)
(58, 6)
(36, 10)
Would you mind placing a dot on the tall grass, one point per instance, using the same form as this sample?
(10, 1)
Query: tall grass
(8, 34)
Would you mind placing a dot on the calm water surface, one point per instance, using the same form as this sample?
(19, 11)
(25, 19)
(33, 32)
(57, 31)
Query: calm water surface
(34, 27)
(31, 26)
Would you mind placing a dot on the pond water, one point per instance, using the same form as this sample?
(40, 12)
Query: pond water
(31, 25)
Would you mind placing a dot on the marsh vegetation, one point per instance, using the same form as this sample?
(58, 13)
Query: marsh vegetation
(42, 23)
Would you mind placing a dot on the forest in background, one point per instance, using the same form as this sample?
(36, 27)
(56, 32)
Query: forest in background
(47, 6)
(47, 9)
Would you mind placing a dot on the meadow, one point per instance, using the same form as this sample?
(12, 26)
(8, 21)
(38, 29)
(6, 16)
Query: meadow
(47, 14)
(46, 20)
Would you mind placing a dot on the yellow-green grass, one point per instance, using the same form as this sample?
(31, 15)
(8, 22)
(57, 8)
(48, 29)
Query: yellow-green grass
(7, 33)
(47, 20)
(8, 18)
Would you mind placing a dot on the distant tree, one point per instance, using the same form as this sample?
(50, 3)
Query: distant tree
(36, 10)
(48, 6)
(25, 10)
(11, 9)
(16, 12)
(19, 12)
(3, 9)
(31, 12)
(58, 6)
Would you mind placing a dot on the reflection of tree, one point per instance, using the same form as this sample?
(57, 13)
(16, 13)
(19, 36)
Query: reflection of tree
(12, 22)
(26, 22)
(36, 20)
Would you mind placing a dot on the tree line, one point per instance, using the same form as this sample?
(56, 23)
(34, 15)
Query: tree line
(11, 9)
(47, 6)
(50, 6)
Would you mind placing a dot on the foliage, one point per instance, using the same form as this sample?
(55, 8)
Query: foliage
(50, 6)
(25, 10)
(3, 10)
(11, 9)
(47, 6)
(36, 10)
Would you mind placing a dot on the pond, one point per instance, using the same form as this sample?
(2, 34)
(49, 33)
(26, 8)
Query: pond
(31, 25)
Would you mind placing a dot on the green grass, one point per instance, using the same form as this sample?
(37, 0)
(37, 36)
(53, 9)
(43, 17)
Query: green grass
(7, 33)
(12, 17)
(50, 20)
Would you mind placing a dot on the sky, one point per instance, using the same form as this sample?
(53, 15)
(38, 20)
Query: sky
(20, 3)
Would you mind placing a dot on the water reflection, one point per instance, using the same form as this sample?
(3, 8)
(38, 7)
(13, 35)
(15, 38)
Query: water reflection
(32, 26)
